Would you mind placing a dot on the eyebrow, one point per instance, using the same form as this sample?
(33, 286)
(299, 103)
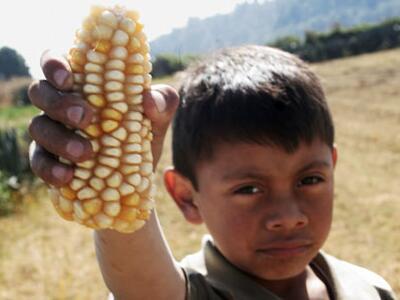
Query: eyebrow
(315, 164)
(254, 174)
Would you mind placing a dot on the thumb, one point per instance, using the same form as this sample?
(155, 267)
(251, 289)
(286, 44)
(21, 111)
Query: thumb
(160, 104)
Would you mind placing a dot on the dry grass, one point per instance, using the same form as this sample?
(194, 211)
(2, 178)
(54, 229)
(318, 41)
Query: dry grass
(44, 257)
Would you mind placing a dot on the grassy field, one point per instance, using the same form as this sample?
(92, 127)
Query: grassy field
(44, 257)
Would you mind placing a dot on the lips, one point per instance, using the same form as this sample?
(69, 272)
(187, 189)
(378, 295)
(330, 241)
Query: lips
(284, 249)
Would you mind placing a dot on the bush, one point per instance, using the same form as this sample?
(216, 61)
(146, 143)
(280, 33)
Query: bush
(15, 174)
(20, 96)
(341, 42)
(6, 204)
(168, 64)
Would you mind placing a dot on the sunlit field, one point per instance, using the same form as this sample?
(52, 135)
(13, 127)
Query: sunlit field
(44, 257)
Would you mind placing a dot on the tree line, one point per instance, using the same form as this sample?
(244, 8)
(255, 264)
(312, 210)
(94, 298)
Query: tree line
(340, 42)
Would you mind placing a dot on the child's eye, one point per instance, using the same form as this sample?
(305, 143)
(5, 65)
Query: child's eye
(310, 180)
(247, 190)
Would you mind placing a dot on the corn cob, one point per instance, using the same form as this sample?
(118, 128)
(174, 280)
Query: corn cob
(111, 64)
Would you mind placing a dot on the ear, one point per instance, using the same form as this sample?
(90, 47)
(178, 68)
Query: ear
(182, 191)
(334, 154)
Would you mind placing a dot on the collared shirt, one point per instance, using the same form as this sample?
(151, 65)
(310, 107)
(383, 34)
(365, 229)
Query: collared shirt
(209, 276)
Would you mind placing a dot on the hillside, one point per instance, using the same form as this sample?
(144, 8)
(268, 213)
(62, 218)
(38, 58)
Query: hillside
(260, 22)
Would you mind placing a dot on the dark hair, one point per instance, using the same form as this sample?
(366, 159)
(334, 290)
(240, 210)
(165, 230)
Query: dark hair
(250, 94)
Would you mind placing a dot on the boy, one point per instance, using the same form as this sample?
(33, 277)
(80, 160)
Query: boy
(253, 154)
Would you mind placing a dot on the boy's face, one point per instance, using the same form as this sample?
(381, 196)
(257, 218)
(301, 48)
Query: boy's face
(268, 211)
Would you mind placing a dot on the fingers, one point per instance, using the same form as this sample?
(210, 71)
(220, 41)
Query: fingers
(47, 167)
(57, 71)
(159, 106)
(66, 108)
(58, 140)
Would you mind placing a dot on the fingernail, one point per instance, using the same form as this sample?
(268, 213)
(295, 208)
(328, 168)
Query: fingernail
(159, 100)
(75, 114)
(58, 172)
(60, 76)
(75, 149)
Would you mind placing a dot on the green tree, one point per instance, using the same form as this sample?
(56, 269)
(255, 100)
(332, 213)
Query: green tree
(12, 64)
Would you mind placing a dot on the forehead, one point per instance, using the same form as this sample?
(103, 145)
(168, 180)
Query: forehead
(228, 158)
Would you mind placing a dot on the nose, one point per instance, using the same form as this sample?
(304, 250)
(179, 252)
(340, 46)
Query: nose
(285, 215)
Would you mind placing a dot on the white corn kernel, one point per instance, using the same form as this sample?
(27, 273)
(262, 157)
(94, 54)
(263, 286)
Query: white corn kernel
(129, 148)
(108, 18)
(84, 35)
(120, 106)
(103, 221)
(114, 180)
(134, 179)
(79, 78)
(132, 159)
(65, 205)
(92, 89)
(94, 78)
(102, 171)
(114, 86)
(120, 38)
(102, 32)
(86, 193)
(133, 89)
(133, 126)
(116, 152)
(112, 208)
(115, 64)
(138, 79)
(120, 134)
(115, 75)
(114, 97)
(92, 206)
(82, 173)
(134, 138)
(136, 58)
(134, 116)
(110, 194)
(126, 189)
(128, 25)
(144, 184)
(109, 161)
(129, 169)
(95, 145)
(119, 53)
(134, 99)
(93, 68)
(146, 169)
(76, 184)
(97, 183)
(110, 141)
(78, 210)
(146, 146)
(96, 57)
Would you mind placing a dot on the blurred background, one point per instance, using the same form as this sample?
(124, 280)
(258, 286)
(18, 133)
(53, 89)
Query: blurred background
(353, 45)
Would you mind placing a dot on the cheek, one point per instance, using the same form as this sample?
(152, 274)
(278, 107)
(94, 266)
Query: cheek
(225, 221)
(319, 212)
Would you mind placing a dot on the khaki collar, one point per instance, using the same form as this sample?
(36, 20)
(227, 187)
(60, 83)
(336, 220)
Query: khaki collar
(346, 285)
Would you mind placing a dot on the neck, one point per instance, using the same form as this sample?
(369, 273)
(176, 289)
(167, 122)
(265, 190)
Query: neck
(305, 286)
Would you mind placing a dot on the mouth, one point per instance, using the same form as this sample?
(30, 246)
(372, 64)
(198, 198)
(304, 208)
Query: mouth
(286, 249)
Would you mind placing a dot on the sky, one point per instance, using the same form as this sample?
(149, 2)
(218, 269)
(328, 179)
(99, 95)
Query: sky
(30, 27)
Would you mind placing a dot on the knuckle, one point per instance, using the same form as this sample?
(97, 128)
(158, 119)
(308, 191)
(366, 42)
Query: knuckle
(33, 125)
